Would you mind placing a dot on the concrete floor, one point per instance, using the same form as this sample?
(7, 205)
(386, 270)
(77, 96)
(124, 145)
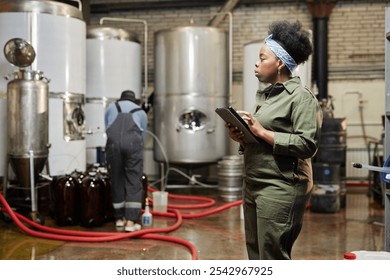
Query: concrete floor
(219, 236)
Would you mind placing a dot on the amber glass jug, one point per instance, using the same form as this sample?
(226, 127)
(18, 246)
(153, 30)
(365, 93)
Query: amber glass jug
(67, 201)
(92, 201)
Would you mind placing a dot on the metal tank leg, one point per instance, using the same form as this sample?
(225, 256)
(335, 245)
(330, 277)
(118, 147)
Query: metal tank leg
(163, 179)
(34, 214)
(5, 179)
(34, 207)
(6, 217)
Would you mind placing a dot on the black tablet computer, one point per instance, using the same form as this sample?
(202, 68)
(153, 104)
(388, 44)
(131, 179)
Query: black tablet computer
(229, 115)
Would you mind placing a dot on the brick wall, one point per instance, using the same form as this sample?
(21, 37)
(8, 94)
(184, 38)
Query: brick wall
(356, 40)
(356, 50)
(356, 32)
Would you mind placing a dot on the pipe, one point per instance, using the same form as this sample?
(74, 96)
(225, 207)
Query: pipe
(227, 8)
(230, 57)
(32, 183)
(361, 101)
(80, 5)
(321, 11)
(320, 26)
(144, 93)
(163, 182)
(372, 167)
(192, 178)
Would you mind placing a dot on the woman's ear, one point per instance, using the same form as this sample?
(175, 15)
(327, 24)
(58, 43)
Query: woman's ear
(280, 65)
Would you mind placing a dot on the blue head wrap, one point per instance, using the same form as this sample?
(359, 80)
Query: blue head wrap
(281, 53)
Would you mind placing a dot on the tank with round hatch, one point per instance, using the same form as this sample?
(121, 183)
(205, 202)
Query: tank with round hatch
(57, 32)
(191, 80)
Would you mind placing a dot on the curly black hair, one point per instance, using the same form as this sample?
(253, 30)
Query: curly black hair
(293, 39)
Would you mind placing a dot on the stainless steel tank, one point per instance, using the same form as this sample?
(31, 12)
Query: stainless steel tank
(27, 111)
(58, 34)
(56, 31)
(113, 62)
(113, 65)
(191, 80)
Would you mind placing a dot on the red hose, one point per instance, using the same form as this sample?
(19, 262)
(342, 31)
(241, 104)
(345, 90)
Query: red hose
(84, 236)
(200, 214)
(208, 201)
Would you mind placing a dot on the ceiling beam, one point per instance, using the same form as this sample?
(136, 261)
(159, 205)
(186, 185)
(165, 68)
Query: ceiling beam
(117, 6)
(227, 8)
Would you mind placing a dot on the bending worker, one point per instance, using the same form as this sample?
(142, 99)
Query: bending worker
(126, 123)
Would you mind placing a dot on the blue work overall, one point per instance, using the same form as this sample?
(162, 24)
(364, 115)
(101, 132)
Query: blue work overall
(124, 151)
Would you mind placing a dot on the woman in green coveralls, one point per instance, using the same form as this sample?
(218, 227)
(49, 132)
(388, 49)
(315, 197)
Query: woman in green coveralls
(278, 173)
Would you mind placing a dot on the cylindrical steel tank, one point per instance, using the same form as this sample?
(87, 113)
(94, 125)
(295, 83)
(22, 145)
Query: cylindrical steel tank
(27, 111)
(191, 80)
(113, 65)
(113, 62)
(249, 81)
(58, 34)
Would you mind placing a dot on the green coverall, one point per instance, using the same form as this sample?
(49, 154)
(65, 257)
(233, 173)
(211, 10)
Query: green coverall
(278, 179)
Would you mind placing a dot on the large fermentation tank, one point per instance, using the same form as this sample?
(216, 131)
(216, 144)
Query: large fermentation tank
(58, 33)
(113, 62)
(113, 65)
(191, 80)
(250, 83)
